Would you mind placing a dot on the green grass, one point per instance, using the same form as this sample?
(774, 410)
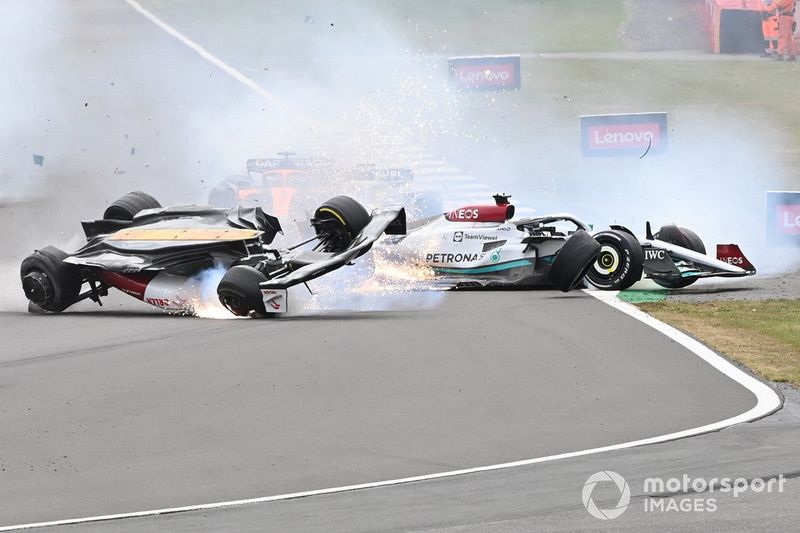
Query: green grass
(290, 28)
(512, 26)
(764, 335)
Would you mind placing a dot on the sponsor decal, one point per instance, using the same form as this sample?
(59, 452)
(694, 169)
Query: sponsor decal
(495, 257)
(451, 258)
(158, 302)
(469, 213)
(654, 255)
(485, 73)
(783, 217)
(732, 254)
(479, 237)
(481, 213)
(458, 236)
(788, 219)
(635, 134)
(275, 300)
(623, 136)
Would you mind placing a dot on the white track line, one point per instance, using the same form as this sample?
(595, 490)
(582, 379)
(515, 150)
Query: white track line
(768, 402)
(214, 60)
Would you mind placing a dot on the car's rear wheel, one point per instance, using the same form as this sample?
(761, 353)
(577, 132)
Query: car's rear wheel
(50, 283)
(620, 262)
(573, 260)
(129, 205)
(240, 293)
(338, 221)
(682, 237)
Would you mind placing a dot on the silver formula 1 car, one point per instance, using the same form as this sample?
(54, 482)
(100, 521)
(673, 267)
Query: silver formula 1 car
(483, 245)
(162, 255)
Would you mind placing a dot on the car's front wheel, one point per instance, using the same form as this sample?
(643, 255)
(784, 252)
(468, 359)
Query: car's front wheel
(620, 262)
(240, 293)
(338, 221)
(573, 260)
(682, 237)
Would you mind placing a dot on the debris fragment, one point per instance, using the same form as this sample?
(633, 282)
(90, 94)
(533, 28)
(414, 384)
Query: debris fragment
(38, 160)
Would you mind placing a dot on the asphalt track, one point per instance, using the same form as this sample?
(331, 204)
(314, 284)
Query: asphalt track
(120, 410)
(108, 412)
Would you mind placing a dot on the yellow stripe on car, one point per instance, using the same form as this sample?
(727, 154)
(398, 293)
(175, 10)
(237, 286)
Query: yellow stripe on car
(184, 234)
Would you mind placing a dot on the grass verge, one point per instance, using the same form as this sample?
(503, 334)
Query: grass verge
(764, 335)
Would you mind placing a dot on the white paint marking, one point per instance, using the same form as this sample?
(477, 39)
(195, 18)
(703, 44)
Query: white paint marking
(214, 60)
(767, 402)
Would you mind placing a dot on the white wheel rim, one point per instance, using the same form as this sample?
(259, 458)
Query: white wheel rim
(610, 260)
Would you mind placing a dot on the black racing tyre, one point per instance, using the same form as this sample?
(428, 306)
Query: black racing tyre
(339, 221)
(573, 260)
(126, 207)
(239, 292)
(50, 283)
(620, 262)
(682, 237)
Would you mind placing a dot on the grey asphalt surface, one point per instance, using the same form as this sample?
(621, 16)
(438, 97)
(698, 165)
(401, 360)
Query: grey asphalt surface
(120, 410)
(547, 497)
(108, 412)
(782, 287)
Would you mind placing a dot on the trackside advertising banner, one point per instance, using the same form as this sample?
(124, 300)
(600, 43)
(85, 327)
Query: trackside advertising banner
(635, 134)
(485, 73)
(783, 217)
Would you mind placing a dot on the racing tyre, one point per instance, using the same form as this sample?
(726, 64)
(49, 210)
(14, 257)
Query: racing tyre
(126, 207)
(49, 283)
(620, 262)
(573, 260)
(239, 292)
(682, 237)
(339, 221)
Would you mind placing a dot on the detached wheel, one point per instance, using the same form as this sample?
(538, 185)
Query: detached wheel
(620, 262)
(50, 283)
(573, 260)
(240, 293)
(129, 205)
(340, 220)
(682, 237)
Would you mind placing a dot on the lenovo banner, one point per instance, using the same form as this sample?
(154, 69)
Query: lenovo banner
(635, 134)
(485, 73)
(783, 217)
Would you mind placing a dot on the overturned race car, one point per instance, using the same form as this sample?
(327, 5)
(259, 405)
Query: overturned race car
(160, 254)
(484, 246)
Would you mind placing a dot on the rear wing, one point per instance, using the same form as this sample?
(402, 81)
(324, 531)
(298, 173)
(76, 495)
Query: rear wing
(391, 220)
(274, 163)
